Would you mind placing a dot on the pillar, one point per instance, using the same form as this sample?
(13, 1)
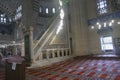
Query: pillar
(27, 25)
(28, 45)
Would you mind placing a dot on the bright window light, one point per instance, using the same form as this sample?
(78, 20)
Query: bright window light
(97, 23)
(53, 10)
(106, 43)
(118, 22)
(107, 39)
(99, 27)
(92, 27)
(110, 24)
(112, 21)
(19, 8)
(4, 20)
(60, 2)
(102, 6)
(1, 19)
(1, 15)
(47, 11)
(62, 14)
(60, 27)
(105, 24)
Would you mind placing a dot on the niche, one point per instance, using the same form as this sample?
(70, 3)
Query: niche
(50, 55)
(64, 53)
(44, 56)
(60, 53)
(56, 54)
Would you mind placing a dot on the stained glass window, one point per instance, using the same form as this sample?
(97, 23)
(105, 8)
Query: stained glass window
(102, 6)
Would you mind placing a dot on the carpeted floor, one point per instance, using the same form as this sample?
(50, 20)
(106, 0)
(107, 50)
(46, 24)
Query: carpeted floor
(79, 68)
(2, 73)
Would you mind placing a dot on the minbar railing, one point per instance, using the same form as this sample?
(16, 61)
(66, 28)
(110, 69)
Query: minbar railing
(42, 39)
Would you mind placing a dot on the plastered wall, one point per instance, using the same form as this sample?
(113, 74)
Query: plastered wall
(84, 39)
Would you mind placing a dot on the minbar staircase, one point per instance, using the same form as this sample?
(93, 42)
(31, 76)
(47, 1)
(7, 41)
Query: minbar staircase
(47, 56)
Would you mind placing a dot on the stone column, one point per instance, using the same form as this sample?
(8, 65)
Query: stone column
(79, 29)
(47, 54)
(58, 53)
(28, 44)
(53, 53)
(14, 50)
(28, 24)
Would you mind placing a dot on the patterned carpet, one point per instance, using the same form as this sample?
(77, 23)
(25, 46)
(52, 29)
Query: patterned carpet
(2, 73)
(79, 68)
(87, 68)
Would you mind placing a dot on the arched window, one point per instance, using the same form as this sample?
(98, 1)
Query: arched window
(102, 6)
(47, 11)
(2, 18)
(53, 10)
(40, 9)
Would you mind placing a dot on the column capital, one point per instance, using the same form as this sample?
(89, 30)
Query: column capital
(27, 30)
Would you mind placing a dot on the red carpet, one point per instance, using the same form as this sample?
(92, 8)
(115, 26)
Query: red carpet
(2, 74)
(79, 68)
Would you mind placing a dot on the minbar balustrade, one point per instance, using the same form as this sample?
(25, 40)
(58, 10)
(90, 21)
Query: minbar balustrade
(54, 53)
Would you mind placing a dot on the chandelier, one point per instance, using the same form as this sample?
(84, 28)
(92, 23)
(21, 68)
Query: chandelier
(106, 24)
(105, 21)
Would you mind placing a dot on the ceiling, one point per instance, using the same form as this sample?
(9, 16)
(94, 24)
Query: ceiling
(9, 7)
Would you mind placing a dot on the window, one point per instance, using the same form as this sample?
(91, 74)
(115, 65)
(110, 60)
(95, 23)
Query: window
(2, 15)
(19, 9)
(18, 13)
(47, 11)
(106, 43)
(53, 10)
(2, 18)
(102, 6)
(40, 9)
